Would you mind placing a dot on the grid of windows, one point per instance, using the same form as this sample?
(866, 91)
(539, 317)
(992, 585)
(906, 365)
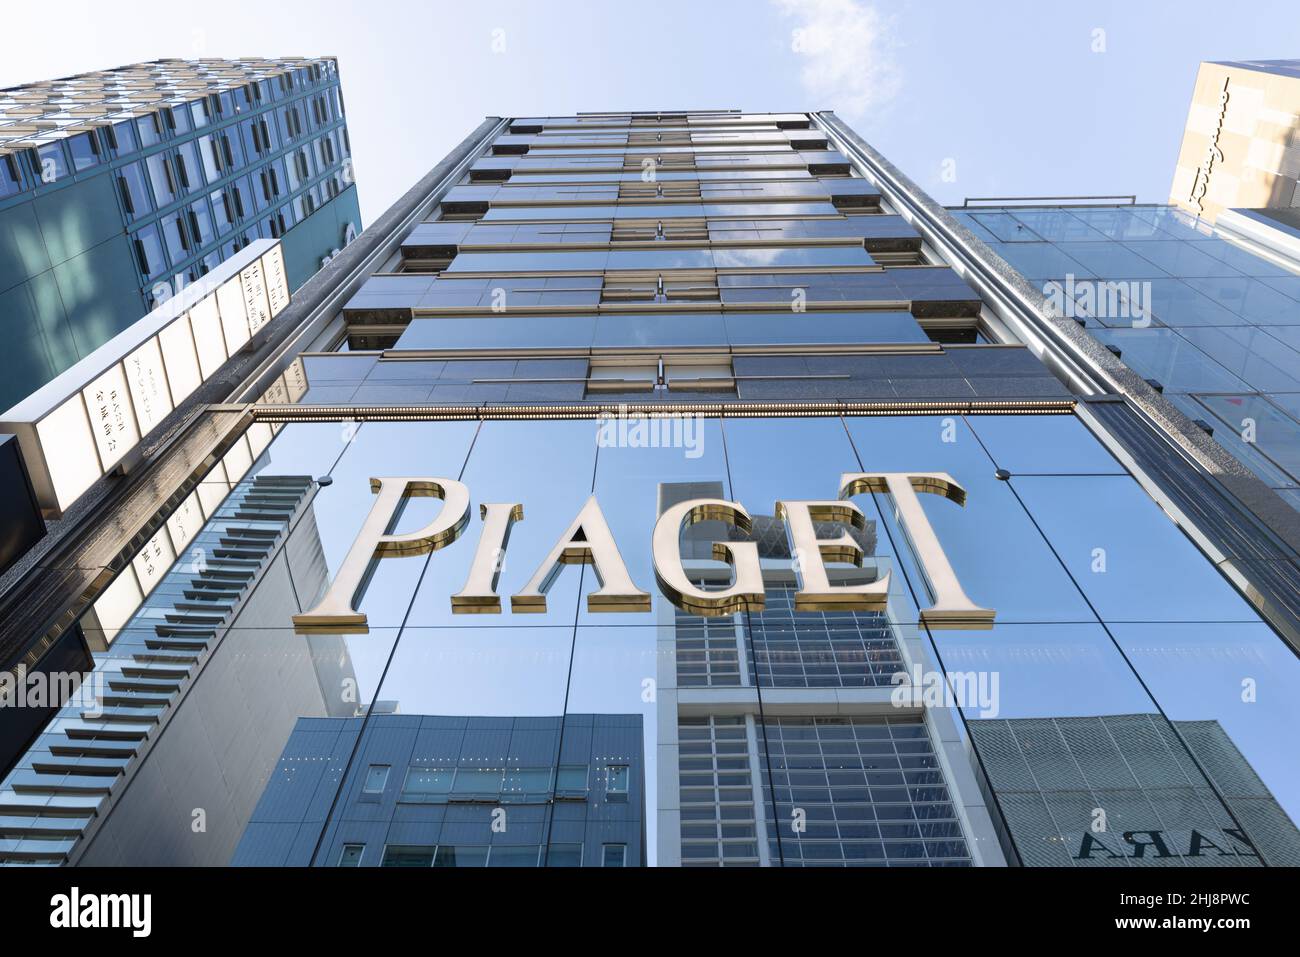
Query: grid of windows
(434, 784)
(843, 649)
(707, 652)
(462, 855)
(858, 792)
(717, 793)
(178, 169)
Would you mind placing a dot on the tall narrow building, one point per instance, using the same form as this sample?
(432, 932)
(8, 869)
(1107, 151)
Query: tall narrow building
(1239, 147)
(678, 489)
(120, 187)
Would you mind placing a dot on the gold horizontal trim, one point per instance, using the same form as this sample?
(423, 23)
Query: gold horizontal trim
(431, 413)
(724, 351)
(675, 274)
(847, 242)
(650, 308)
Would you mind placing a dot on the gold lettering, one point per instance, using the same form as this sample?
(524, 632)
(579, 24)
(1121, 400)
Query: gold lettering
(479, 596)
(336, 611)
(746, 594)
(587, 542)
(951, 609)
(816, 593)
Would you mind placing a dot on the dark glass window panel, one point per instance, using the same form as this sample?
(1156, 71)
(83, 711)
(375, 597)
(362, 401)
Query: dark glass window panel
(85, 150)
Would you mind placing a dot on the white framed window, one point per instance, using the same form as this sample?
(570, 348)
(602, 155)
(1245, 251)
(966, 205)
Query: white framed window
(351, 855)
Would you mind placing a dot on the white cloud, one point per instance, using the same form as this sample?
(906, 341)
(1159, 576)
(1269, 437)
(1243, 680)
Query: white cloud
(848, 50)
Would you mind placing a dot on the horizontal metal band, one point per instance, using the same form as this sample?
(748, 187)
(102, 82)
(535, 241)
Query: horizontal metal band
(596, 410)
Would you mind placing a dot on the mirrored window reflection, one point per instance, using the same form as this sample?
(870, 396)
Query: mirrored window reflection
(1085, 769)
(376, 450)
(1276, 434)
(545, 467)
(644, 465)
(1228, 690)
(1129, 559)
(685, 739)
(1023, 581)
(612, 730)
(826, 648)
(1042, 445)
(472, 724)
(207, 611)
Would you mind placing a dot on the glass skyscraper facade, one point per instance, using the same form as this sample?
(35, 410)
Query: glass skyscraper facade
(1211, 325)
(677, 489)
(119, 187)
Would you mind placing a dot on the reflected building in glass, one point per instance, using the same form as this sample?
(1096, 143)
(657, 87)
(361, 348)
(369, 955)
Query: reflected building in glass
(119, 187)
(445, 791)
(1086, 791)
(669, 489)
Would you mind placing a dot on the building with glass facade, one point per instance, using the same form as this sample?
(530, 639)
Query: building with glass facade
(676, 489)
(1212, 325)
(119, 187)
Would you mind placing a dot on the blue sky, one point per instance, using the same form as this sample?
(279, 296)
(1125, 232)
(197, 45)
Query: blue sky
(1012, 93)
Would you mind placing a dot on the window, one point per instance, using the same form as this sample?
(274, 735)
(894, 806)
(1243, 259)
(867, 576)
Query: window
(472, 783)
(178, 244)
(292, 123)
(376, 779)
(51, 163)
(236, 206)
(572, 780)
(176, 121)
(222, 210)
(564, 855)
(427, 784)
(149, 251)
(617, 781)
(506, 856)
(85, 150)
(232, 152)
(149, 129)
(160, 175)
(408, 855)
(121, 137)
(527, 784)
(452, 856)
(11, 180)
(211, 155)
(200, 221)
(351, 855)
(613, 855)
(200, 113)
(189, 169)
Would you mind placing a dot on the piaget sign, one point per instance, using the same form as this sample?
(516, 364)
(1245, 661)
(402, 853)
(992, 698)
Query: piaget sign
(588, 541)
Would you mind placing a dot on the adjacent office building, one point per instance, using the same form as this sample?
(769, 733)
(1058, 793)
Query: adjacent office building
(704, 452)
(119, 187)
(1240, 147)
